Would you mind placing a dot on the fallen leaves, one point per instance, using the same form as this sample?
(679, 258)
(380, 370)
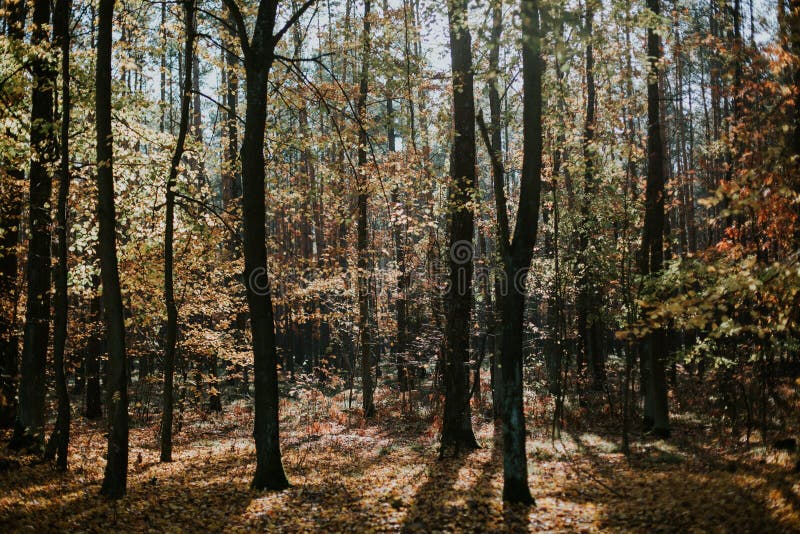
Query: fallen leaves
(386, 477)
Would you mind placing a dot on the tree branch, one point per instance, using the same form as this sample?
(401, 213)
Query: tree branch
(294, 18)
(498, 172)
(241, 28)
(213, 210)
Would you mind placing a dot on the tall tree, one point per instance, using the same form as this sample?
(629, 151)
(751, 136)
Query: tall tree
(363, 195)
(171, 336)
(495, 145)
(589, 324)
(259, 55)
(516, 254)
(10, 219)
(116, 472)
(59, 441)
(457, 424)
(29, 426)
(652, 255)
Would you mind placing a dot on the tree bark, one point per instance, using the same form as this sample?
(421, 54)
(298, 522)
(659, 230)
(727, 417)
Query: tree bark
(94, 350)
(116, 472)
(457, 424)
(516, 255)
(259, 55)
(169, 288)
(29, 425)
(653, 236)
(10, 219)
(589, 324)
(363, 195)
(496, 146)
(59, 440)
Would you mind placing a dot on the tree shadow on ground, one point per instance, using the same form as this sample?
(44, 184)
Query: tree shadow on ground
(461, 494)
(666, 492)
(200, 493)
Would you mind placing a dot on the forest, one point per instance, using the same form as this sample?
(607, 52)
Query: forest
(400, 265)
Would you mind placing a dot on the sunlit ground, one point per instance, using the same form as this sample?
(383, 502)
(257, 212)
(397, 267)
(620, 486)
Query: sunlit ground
(386, 476)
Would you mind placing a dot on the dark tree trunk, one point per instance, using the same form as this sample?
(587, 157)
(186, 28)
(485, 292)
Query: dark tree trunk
(496, 146)
(399, 347)
(198, 164)
(517, 261)
(653, 237)
(29, 425)
(10, 219)
(589, 325)
(457, 424)
(516, 255)
(363, 193)
(94, 351)
(116, 472)
(169, 288)
(259, 54)
(59, 440)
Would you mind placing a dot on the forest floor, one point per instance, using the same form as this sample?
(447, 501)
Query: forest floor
(386, 476)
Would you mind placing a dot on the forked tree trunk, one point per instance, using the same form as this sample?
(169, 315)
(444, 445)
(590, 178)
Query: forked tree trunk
(259, 55)
(516, 255)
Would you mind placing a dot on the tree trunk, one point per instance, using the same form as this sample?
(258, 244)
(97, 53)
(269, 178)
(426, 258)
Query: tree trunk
(94, 350)
(589, 326)
(10, 219)
(457, 424)
(516, 256)
(497, 178)
(169, 291)
(653, 236)
(363, 193)
(29, 425)
(259, 55)
(116, 472)
(59, 440)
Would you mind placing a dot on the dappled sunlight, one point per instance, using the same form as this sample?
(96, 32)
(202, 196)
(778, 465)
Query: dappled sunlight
(388, 476)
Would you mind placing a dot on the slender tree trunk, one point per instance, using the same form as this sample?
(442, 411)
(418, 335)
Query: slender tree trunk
(197, 121)
(363, 195)
(94, 350)
(653, 237)
(116, 472)
(794, 43)
(259, 55)
(59, 440)
(457, 424)
(589, 325)
(29, 426)
(495, 112)
(10, 219)
(398, 226)
(169, 291)
(516, 255)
